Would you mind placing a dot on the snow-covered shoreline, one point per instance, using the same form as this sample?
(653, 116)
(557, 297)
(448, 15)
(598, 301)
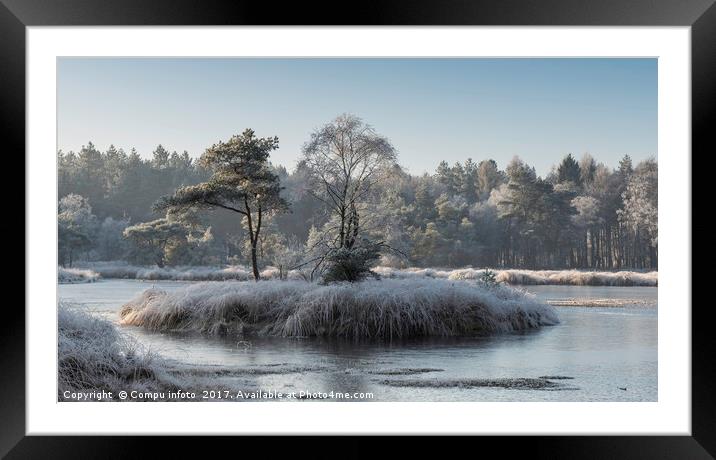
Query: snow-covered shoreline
(113, 270)
(96, 361)
(385, 309)
(76, 275)
(119, 270)
(531, 277)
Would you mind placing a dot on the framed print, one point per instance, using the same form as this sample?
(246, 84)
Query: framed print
(428, 220)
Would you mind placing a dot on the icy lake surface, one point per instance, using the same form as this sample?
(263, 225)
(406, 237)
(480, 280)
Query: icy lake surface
(609, 353)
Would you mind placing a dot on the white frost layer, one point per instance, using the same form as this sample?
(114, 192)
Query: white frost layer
(94, 356)
(76, 275)
(181, 273)
(530, 277)
(524, 277)
(370, 309)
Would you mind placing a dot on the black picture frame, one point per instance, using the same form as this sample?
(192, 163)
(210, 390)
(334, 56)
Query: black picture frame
(700, 15)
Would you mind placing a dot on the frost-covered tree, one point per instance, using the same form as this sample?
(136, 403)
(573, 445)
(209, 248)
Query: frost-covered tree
(489, 177)
(346, 159)
(489, 233)
(450, 209)
(111, 245)
(625, 167)
(536, 215)
(424, 201)
(430, 247)
(469, 181)
(156, 239)
(90, 177)
(160, 157)
(391, 215)
(587, 219)
(578, 216)
(640, 210)
(195, 249)
(587, 168)
(242, 182)
(445, 177)
(114, 161)
(283, 252)
(316, 250)
(76, 227)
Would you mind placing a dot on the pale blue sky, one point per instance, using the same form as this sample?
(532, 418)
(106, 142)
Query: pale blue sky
(431, 109)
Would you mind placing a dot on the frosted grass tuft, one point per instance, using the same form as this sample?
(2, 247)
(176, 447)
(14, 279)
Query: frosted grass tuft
(384, 309)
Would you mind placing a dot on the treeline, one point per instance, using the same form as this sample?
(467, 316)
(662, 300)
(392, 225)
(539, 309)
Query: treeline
(583, 214)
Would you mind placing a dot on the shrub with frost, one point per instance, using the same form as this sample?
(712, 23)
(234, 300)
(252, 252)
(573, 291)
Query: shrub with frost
(488, 277)
(351, 264)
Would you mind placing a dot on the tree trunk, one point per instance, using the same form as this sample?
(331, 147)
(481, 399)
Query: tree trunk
(254, 238)
(588, 249)
(342, 231)
(254, 263)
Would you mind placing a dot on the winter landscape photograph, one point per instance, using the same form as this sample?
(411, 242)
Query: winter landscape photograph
(357, 229)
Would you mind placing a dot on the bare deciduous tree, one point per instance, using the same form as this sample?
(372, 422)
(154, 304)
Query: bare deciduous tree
(346, 158)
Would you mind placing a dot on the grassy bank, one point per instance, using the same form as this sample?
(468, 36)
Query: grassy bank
(371, 309)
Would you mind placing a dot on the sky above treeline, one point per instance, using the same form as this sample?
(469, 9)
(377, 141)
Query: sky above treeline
(432, 109)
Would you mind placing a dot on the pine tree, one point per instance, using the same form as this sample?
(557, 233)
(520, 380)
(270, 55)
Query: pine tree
(242, 182)
(568, 171)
